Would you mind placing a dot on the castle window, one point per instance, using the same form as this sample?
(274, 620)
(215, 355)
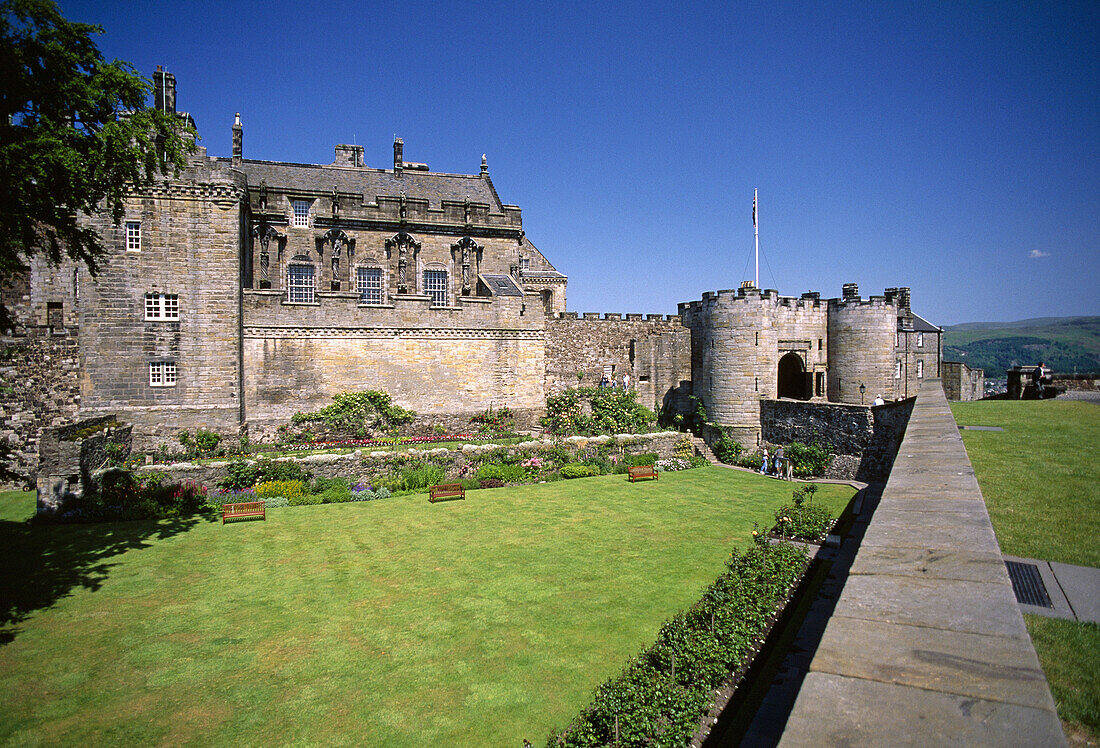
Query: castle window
(301, 212)
(920, 369)
(897, 339)
(299, 284)
(435, 285)
(368, 282)
(133, 236)
(524, 263)
(819, 381)
(162, 306)
(162, 374)
(897, 369)
(920, 340)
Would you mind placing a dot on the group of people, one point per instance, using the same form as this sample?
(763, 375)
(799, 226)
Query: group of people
(607, 382)
(777, 465)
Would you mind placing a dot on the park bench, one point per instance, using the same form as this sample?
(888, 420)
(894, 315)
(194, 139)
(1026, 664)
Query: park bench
(246, 509)
(642, 471)
(446, 491)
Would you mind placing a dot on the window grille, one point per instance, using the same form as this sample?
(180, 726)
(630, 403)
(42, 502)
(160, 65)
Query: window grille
(162, 374)
(524, 263)
(162, 306)
(920, 340)
(920, 369)
(435, 285)
(369, 284)
(299, 284)
(301, 212)
(133, 236)
(897, 369)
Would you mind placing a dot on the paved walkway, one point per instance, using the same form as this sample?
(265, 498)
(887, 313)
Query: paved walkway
(1074, 591)
(926, 644)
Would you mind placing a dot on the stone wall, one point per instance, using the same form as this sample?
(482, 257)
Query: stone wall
(190, 246)
(960, 382)
(39, 388)
(1084, 382)
(654, 350)
(861, 349)
(871, 434)
(70, 456)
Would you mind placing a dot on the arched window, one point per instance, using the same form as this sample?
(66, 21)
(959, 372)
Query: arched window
(547, 301)
(370, 283)
(299, 280)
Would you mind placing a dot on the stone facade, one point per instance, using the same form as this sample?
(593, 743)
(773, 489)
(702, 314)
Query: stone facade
(960, 382)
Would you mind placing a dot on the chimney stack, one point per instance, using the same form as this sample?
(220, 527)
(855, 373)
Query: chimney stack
(164, 87)
(238, 141)
(398, 161)
(903, 298)
(851, 292)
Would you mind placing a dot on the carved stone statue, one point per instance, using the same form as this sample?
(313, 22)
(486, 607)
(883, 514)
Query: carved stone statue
(403, 208)
(263, 195)
(265, 264)
(466, 210)
(335, 202)
(402, 266)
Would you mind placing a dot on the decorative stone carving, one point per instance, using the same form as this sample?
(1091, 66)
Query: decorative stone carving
(467, 249)
(404, 244)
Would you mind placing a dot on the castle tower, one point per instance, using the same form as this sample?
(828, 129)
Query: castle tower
(861, 346)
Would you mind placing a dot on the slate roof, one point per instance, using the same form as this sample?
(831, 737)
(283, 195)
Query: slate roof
(501, 285)
(920, 324)
(425, 185)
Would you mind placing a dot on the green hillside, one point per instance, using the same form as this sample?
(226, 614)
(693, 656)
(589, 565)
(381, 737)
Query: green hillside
(1067, 344)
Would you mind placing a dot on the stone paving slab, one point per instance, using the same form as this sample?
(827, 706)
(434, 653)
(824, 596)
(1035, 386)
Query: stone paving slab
(940, 530)
(834, 710)
(994, 668)
(931, 564)
(967, 607)
(1082, 587)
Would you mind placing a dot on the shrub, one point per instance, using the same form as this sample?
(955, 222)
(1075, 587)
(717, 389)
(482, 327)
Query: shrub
(282, 470)
(421, 477)
(685, 448)
(220, 496)
(320, 485)
(503, 473)
(306, 499)
(801, 518)
(577, 470)
(750, 460)
(499, 422)
(490, 483)
(698, 461)
(807, 459)
(649, 458)
(357, 413)
(240, 474)
(335, 495)
(204, 443)
(727, 449)
(276, 502)
(611, 412)
(671, 464)
(291, 489)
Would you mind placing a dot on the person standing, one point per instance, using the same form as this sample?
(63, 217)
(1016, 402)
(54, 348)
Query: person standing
(764, 463)
(779, 462)
(626, 382)
(1037, 379)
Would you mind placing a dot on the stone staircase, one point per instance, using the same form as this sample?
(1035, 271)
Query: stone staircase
(702, 448)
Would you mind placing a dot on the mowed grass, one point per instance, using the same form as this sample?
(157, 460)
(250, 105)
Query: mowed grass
(394, 622)
(1070, 655)
(1040, 476)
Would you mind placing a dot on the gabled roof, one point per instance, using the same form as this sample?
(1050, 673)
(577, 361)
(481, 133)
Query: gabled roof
(920, 324)
(500, 285)
(431, 186)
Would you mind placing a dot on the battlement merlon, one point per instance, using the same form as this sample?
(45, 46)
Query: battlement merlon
(616, 317)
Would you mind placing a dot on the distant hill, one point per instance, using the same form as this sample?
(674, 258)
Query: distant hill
(1067, 344)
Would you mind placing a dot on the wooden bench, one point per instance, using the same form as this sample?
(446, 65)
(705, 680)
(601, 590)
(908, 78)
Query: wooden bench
(642, 471)
(446, 491)
(247, 509)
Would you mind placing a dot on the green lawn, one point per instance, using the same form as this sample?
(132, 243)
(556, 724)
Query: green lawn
(1040, 480)
(391, 622)
(1040, 476)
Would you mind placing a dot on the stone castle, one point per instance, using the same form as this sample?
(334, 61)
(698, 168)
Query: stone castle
(244, 291)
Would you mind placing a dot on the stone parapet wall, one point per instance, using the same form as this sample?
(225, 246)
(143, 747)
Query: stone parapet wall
(1083, 382)
(926, 644)
(861, 349)
(39, 388)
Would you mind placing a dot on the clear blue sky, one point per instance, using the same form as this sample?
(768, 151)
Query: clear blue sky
(950, 147)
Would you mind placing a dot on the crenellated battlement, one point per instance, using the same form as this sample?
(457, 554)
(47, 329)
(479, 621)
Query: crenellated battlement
(615, 317)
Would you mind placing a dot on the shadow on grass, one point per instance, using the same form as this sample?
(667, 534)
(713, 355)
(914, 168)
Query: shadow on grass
(42, 563)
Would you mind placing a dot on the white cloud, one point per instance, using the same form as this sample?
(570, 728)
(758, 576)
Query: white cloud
(1035, 254)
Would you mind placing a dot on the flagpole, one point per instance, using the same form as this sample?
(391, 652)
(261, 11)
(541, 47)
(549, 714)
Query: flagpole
(756, 231)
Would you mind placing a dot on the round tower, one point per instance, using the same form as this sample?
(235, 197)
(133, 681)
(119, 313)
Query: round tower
(861, 347)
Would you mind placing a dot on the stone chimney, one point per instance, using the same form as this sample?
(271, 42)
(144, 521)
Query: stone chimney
(164, 87)
(851, 292)
(903, 298)
(398, 161)
(348, 155)
(238, 141)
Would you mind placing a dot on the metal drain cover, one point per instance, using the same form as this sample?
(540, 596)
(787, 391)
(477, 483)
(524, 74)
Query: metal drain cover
(1028, 585)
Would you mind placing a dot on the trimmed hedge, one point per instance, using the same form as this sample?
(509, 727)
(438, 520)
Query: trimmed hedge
(663, 693)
